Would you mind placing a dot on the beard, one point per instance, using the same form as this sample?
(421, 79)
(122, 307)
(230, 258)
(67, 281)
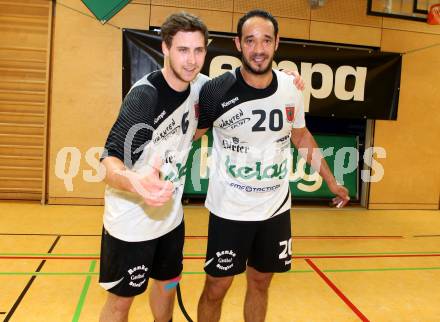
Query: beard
(247, 65)
(178, 75)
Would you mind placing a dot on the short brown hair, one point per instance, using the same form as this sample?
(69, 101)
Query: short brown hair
(182, 21)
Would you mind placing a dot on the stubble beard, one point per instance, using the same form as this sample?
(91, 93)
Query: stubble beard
(252, 70)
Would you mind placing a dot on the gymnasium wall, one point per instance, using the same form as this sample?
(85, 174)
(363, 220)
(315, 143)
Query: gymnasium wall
(24, 86)
(86, 86)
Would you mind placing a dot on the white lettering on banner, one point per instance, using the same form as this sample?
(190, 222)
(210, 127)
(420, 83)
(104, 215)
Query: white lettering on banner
(285, 64)
(307, 71)
(360, 74)
(221, 64)
(330, 81)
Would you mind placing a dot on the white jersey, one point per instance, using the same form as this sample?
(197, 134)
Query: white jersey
(157, 121)
(251, 156)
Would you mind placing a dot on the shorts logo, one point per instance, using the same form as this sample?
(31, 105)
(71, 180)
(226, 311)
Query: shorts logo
(224, 259)
(290, 112)
(137, 275)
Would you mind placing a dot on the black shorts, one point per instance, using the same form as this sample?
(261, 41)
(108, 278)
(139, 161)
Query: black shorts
(125, 267)
(264, 245)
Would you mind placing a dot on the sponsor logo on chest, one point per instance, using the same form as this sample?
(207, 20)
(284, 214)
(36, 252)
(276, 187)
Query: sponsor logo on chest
(168, 131)
(257, 170)
(234, 121)
(234, 145)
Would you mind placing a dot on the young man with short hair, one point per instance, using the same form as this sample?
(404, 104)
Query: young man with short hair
(255, 112)
(147, 148)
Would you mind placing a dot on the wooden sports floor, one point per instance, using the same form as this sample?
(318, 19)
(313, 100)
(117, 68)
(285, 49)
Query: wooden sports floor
(349, 265)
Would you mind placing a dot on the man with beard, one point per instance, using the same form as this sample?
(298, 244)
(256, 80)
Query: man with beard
(143, 231)
(255, 112)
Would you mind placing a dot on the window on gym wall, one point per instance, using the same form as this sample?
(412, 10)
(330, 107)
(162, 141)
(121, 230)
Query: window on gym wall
(416, 10)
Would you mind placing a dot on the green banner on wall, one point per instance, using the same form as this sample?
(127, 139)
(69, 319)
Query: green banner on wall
(104, 10)
(340, 153)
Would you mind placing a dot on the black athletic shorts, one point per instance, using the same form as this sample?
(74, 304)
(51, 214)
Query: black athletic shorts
(125, 267)
(264, 245)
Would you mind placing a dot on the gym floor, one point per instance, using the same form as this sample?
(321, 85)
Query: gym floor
(349, 265)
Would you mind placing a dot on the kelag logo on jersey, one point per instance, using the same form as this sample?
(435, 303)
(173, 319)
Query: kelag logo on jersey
(176, 174)
(276, 170)
(234, 145)
(235, 121)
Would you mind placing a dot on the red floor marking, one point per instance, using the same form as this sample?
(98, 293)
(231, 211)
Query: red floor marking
(205, 237)
(203, 257)
(48, 257)
(367, 256)
(319, 237)
(337, 291)
(347, 237)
